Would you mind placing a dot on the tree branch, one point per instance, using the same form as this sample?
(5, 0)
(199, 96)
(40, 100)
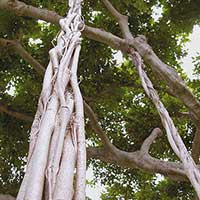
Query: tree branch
(22, 9)
(168, 74)
(184, 115)
(106, 38)
(96, 127)
(6, 197)
(117, 15)
(149, 141)
(196, 146)
(17, 115)
(15, 45)
(139, 160)
(121, 19)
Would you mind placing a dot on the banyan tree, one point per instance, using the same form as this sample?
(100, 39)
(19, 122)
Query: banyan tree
(56, 162)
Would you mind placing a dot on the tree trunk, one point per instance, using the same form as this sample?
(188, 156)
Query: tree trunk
(57, 146)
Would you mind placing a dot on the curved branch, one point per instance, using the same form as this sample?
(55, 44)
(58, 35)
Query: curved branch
(139, 160)
(16, 46)
(17, 115)
(95, 125)
(168, 74)
(22, 9)
(149, 141)
(196, 146)
(121, 19)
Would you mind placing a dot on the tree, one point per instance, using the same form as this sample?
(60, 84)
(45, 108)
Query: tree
(128, 110)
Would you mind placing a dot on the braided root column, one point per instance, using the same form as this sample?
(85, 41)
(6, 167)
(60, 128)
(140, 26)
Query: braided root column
(174, 138)
(57, 139)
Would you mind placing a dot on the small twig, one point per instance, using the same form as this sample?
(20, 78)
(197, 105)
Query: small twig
(96, 127)
(149, 140)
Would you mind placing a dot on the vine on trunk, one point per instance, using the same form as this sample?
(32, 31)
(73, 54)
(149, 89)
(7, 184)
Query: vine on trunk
(57, 141)
(174, 138)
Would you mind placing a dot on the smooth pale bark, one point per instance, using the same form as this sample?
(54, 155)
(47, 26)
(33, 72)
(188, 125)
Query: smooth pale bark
(23, 186)
(173, 137)
(42, 105)
(66, 172)
(47, 157)
(40, 154)
(80, 132)
(57, 143)
(51, 172)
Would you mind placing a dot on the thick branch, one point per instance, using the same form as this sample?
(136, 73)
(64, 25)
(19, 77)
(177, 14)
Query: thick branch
(6, 197)
(17, 115)
(106, 38)
(139, 160)
(121, 19)
(117, 15)
(196, 146)
(169, 75)
(22, 9)
(16, 46)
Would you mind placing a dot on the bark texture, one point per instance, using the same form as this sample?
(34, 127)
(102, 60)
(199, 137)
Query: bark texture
(57, 144)
(6, 197)
(174, 138)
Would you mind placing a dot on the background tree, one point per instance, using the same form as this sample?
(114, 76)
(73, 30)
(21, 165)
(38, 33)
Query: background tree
(112, 90)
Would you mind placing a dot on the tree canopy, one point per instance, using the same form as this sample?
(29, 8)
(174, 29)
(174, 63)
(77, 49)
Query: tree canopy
(111, 88)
